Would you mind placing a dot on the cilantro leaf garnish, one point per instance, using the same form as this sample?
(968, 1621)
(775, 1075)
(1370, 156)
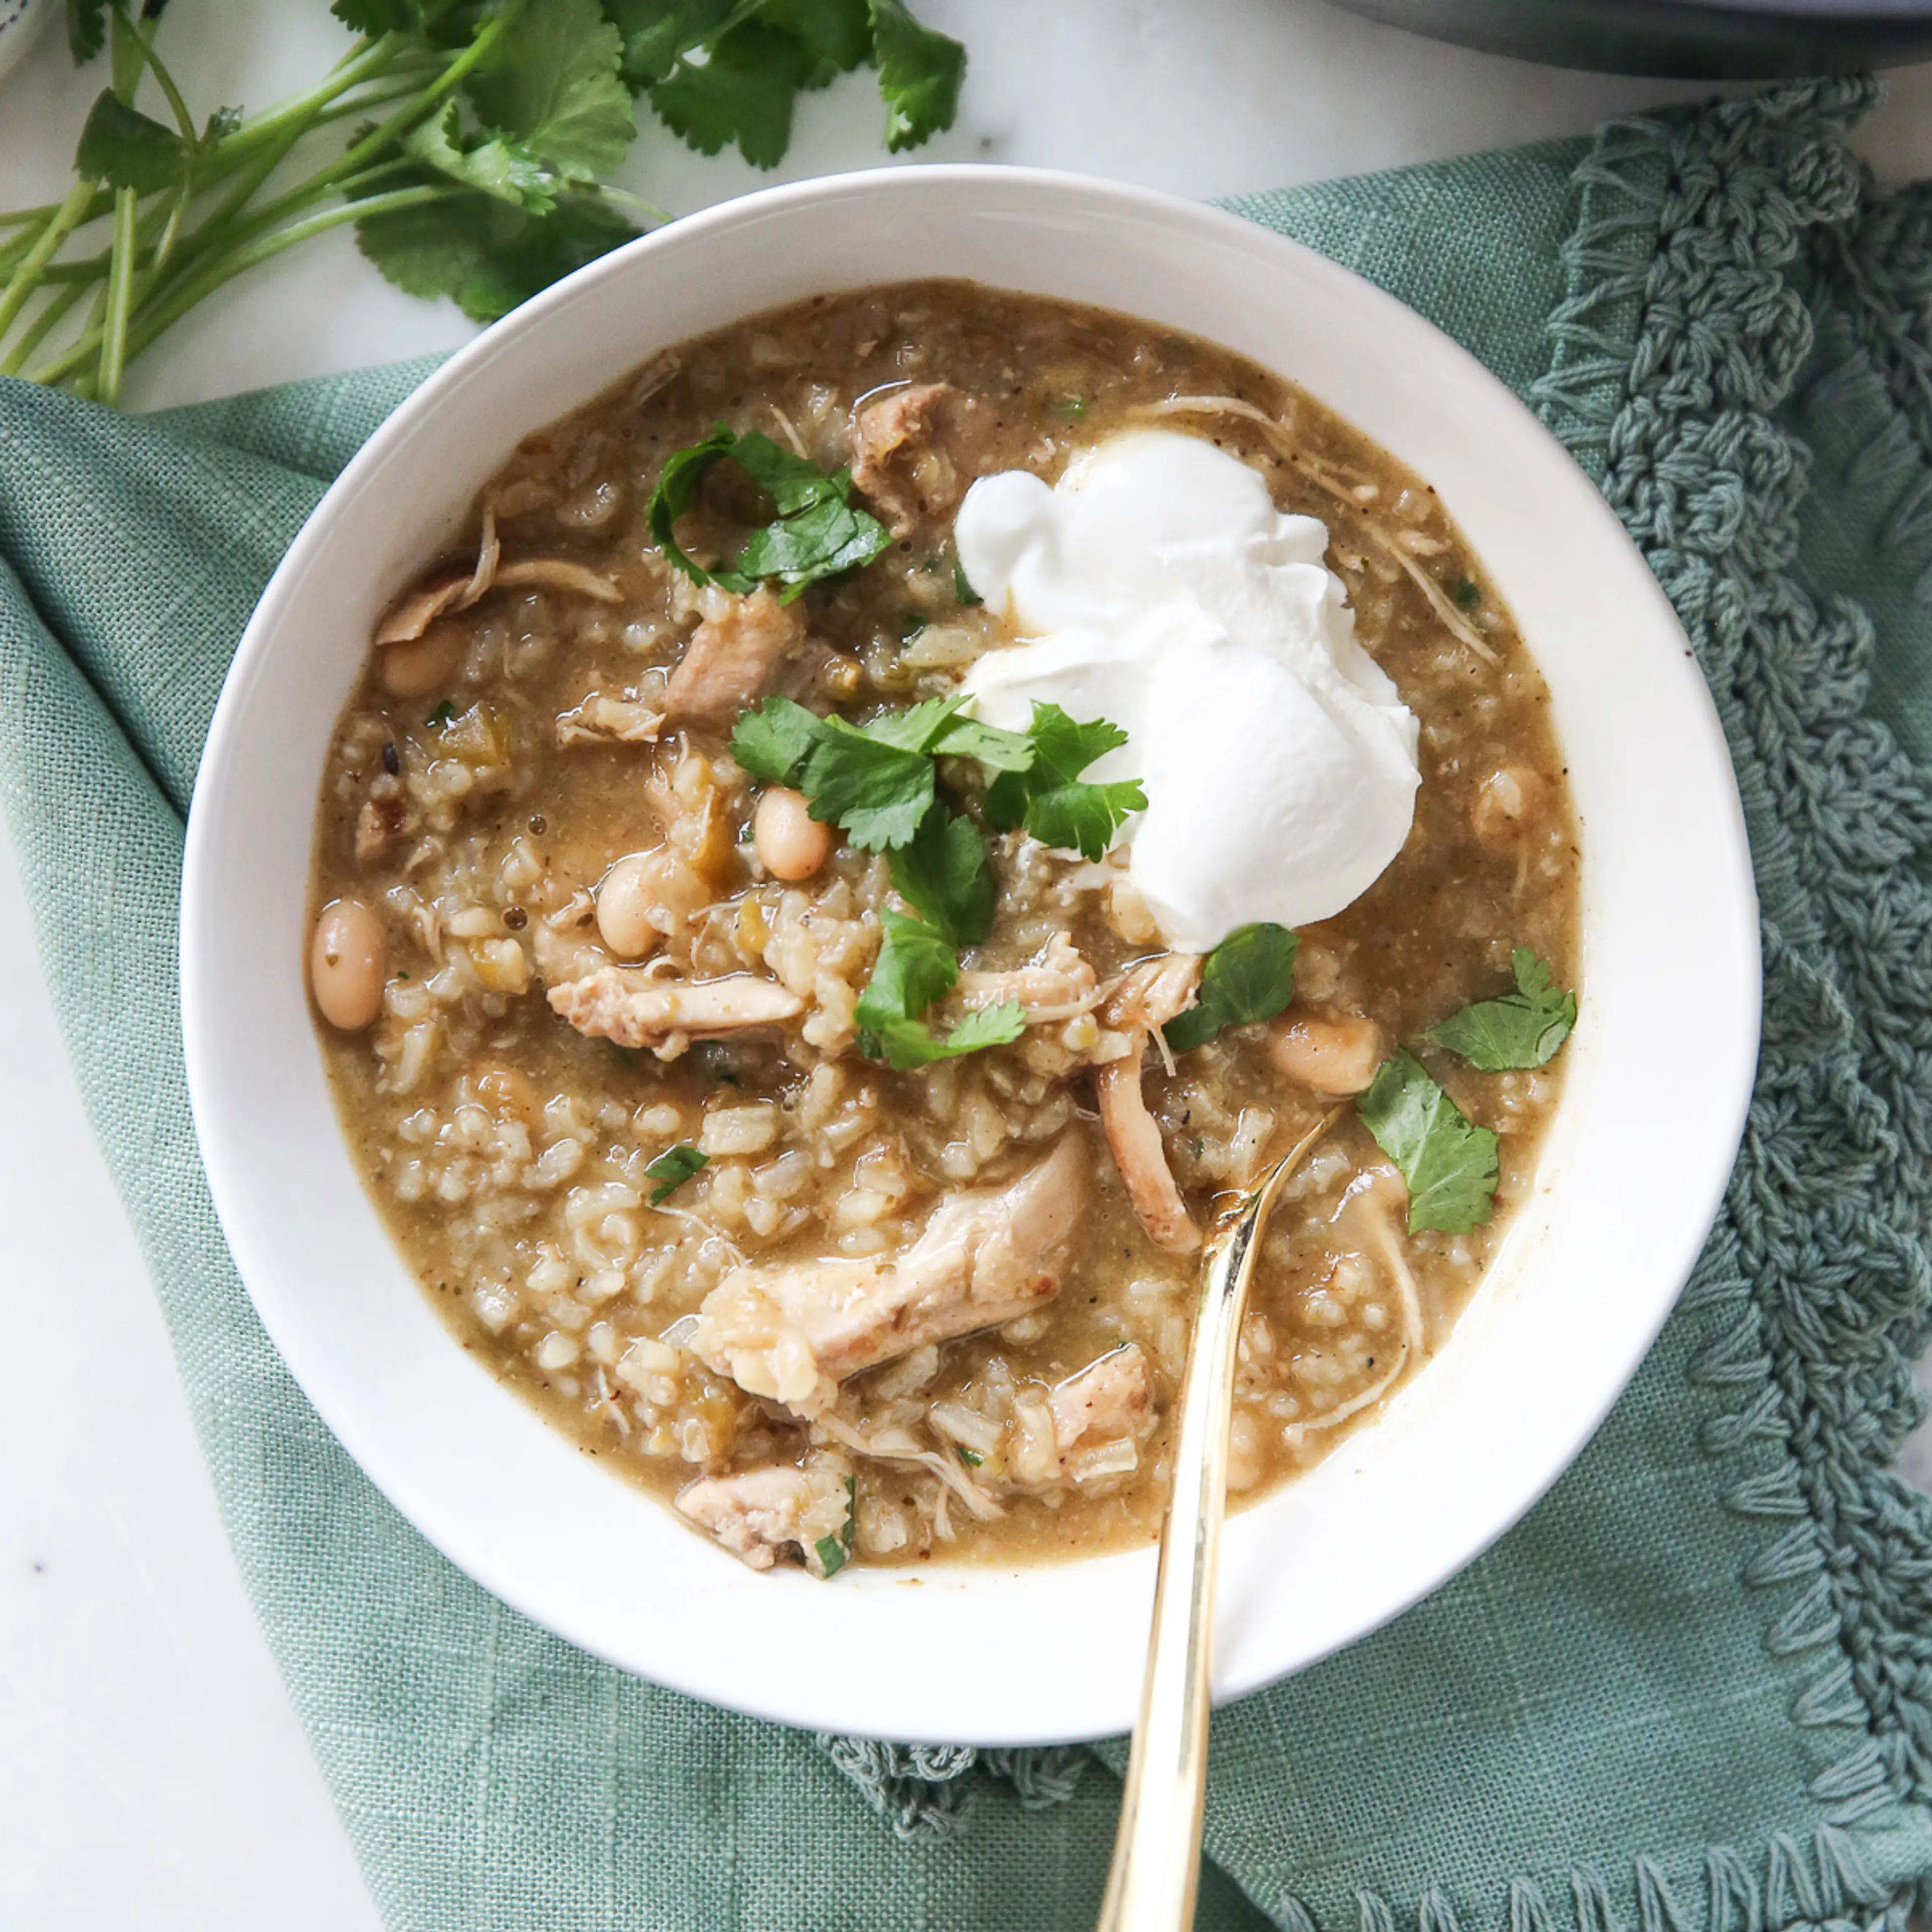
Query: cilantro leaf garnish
(816, 533)
(905, 1044)
(1049, 797)
(943, 874)
(987, 745)
(970, 1457)
(1521, 1029)
(963, 592)
(915, 966)
(873, 790)
(771, 741)
(1449, 1163)
(672, 1169)
(1249, 976)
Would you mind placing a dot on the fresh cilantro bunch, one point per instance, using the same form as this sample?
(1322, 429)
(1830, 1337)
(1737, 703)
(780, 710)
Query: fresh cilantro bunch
(878, 783)
(470, 141)
(815, 533)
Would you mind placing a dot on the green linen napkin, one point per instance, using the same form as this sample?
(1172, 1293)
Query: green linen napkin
(1692, 1692)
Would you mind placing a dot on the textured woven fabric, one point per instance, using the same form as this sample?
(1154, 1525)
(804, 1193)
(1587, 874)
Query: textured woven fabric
(1692, 1692)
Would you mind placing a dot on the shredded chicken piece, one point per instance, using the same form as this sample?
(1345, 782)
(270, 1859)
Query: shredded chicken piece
(557, 573)
(1147, 998)
(899, 465)
(1057, 985)
(1332, 1054)
(736, 647)
(600, 720)
(760, 1513)
(378, 826)
(1373, 1202)
(1285, 444)
(630, 1007)
(413, 613)
(990, 1255)
(1107, 1398)
(888, 1446)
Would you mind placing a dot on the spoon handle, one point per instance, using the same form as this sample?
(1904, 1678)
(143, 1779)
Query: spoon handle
(1150, 1886)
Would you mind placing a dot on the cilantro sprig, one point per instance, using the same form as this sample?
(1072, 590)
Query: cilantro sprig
(915, 967)
(1048, 796)
(1449, 1163)
(1521, 1029)
(1249, 976)
(476, 139)
(815, 532)
(878, 783)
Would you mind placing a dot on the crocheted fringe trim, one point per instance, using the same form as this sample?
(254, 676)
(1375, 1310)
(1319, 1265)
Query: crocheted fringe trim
(920, 1790)
(1859, 1599)
(1824, 1884)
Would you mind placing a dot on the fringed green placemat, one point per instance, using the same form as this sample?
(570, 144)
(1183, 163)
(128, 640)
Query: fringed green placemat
(1693, 1691)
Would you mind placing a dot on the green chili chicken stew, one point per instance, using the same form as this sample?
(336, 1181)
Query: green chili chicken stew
(889, 820)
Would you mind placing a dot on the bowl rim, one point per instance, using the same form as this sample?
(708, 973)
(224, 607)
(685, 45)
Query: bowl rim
(960, 1710)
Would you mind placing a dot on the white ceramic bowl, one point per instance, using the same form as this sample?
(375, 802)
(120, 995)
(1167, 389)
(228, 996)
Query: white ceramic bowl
(1635, 1162)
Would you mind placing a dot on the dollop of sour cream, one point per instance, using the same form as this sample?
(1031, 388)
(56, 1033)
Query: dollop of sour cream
(1157, 585)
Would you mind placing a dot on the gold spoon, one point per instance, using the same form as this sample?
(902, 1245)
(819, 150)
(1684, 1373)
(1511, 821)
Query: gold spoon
(1157, 1852)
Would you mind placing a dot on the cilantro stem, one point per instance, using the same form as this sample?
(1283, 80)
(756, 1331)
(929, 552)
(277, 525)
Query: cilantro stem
(269, 246)
(52, 311)
(120, 299)
(297, 116)
(26, 277)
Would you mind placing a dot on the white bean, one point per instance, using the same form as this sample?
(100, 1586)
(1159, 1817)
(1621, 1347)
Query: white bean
(789, 842)
(424, 663)
(631, 914)
(347, 964)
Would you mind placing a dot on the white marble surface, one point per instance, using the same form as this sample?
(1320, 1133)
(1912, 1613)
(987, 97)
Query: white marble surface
(151, 1771)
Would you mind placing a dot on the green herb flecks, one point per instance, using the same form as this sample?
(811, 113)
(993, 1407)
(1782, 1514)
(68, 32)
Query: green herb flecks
(815, 532)
(672, 1169)
(963, 592)
(1521, 1029)
(440, 716)
(834, 1552)
(970, 1457)
(1449, 1163)
(1249, 976)
(1468, 593)
(1050, 798)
